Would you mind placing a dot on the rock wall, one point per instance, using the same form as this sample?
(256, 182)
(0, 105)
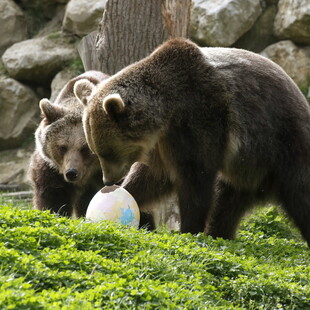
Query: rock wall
(38, 54)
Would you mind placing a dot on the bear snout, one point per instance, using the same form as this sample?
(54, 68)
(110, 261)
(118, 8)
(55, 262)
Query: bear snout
(107, 183)
(71, 174)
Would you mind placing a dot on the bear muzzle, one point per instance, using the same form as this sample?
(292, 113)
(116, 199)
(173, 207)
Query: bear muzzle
(113, 173)
(71, 175)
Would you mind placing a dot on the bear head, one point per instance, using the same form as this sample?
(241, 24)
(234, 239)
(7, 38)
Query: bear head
(61, 142)
(114, 133)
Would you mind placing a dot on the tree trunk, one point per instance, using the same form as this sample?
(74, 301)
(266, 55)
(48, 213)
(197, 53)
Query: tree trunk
(131, 30)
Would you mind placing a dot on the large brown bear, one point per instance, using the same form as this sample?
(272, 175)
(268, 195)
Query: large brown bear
(217, 126)
(64, 172)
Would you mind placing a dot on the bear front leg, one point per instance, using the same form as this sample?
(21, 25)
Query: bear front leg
(51, 192)
(82, 198)
(147, 221)
(53, 199)
(195, 195)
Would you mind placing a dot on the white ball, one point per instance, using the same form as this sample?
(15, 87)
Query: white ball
(114, 203)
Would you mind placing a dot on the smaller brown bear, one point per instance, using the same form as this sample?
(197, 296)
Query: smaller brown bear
(64, 172)
(222, 128)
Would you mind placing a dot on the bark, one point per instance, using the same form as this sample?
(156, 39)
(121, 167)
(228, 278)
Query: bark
(129, 31)
(132, 29)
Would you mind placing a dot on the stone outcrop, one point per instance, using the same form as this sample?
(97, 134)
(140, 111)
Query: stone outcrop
(262, 31)
(293, 59)
(59, 81)
(12, 21)
(38, 41)
(36, 61)
(18, 110)
(42, 8)
(83, 16)
(222, 22)
(14, 166)
(54, 25)
(293, 20)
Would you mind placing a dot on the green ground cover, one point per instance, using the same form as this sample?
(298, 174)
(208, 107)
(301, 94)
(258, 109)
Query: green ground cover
(47, 262)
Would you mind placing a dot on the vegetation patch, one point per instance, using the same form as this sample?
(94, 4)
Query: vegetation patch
(55, 35)
(48, 262)
(76, 66)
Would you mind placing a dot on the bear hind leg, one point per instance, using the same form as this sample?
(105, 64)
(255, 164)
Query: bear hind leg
(296, 203)
(230, 207)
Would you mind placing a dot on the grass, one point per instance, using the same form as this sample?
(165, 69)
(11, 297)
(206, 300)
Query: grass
(49, 262)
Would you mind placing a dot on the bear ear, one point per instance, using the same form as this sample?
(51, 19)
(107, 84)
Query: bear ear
(50, 112)
(83, 89)
(113, 104)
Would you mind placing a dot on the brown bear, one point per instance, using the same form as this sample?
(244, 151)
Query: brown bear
(223, 128)
(64, 172)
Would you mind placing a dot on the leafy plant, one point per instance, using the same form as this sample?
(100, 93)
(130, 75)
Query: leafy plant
(76, 65)
(48, 262)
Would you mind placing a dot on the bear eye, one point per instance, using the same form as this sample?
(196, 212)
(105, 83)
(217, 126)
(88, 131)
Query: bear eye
(109, 156)
(63, 149)
(85, 150)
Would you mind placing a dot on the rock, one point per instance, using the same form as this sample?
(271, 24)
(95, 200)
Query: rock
(222, 22)
(59, 81)
(293, 20)
(18, 110)
(83, 16)
(36, 61)
(47, 8)
(293, 59)
(54, 25)
(261, 34)
(167, 213)
(14, 166)
(13, 26)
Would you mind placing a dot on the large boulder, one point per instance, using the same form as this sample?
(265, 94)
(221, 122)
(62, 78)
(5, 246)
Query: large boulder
(261, 34)
(83, 16)
(54, 25)
(18, 110)
(222, 22)
(293, 20)
(59, 81)
(293, 59)
(36, 61)
(42, 9)
(14, 166)
(13, 26)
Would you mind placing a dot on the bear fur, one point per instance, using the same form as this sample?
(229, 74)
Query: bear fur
(223, 128)
(64, 172)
